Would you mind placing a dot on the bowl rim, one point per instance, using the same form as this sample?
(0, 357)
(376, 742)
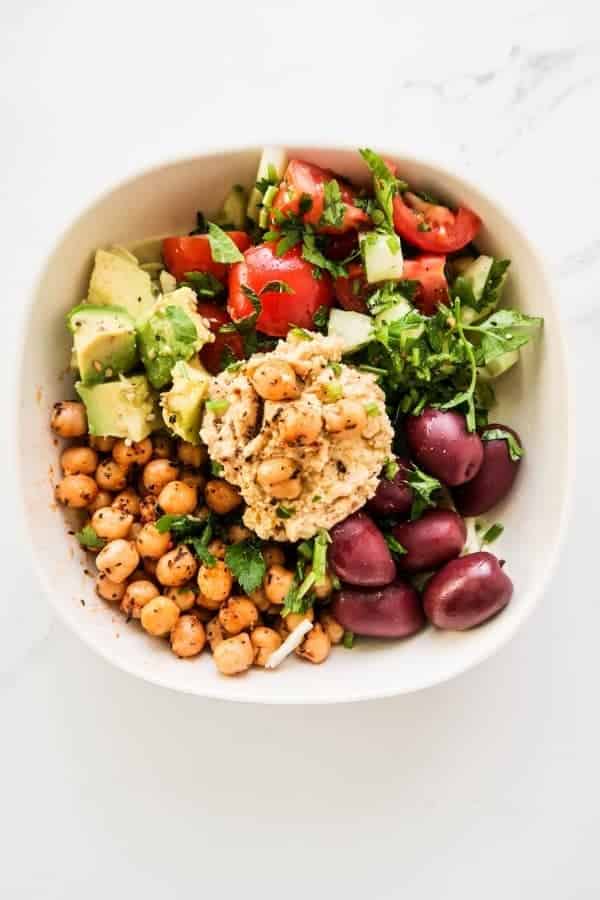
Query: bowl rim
(296, 697)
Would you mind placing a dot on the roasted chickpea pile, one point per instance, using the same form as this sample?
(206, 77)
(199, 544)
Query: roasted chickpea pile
(122, 489)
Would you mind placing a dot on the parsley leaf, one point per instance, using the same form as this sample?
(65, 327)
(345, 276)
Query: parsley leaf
(385, 184)
(334, 208)
(504, 330)
(348, 640)
(222, 248)
(321, 319)
(203, 283)
(424, 487)
(312, 254)
(284, 512)
(247, 563)
(394, 545)
(88, 538)
(390, 469)
(190, 530)
(277, 287)
(492, 534)
(515, 449)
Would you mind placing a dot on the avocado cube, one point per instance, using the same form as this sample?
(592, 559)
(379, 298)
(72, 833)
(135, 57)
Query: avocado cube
(183, 405)
(104, 341)
(119, 281)
(126, 408)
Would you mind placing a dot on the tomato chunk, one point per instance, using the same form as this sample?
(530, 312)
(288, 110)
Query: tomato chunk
(296, 299)
(212, 356)
(304, 185)
(432, 227)
(433, 287)
(192, 254)
(352, 292)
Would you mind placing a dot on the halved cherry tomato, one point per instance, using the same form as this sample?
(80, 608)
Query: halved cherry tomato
(352, 292)
(280, 310)
(305, 180)
(341, 246)
(213, 355)
(429, 272)
(192, 254)
(432, 227)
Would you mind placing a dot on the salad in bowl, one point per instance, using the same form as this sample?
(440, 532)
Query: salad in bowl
(281, 436)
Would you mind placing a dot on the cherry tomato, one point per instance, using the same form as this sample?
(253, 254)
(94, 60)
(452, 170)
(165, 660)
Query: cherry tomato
(192, 254)
(433, 287)
(212, 355)
(341, 246)
(279, 310)
(352, 292)
(432, 227)
(305, 180)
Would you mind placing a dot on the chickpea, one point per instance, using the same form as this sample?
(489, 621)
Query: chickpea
(215, 583)
(176, 567)
(214, 633)
(264, 641)
(118, 559)
(149, 566)
(157, 473)
(149, 510)
(194, 479)
(128, 502)
(162, 446)
(79, 461)
(300, 426)
(237, 533)
(69, 419)
(217, 548)
(159, 616)
(151, 543)
(259, 598)
(316, 645)
(345, 416)
(277, 583)
(335, 631)
(102, 444)
(109, 590)
(177, 498)
(127, 453)
(111, 523)
(184, 597)
(76, 491)
(292, 620)
(191, 455)
(238, 614)
(221, 497)
(273, 555)
(234, 655)
(111, 476)
(274, 379)
(103, 498)
(137, 595)
(278, 478)
(188, 637)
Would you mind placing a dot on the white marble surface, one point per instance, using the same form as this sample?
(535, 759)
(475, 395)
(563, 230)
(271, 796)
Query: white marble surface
(484, 787)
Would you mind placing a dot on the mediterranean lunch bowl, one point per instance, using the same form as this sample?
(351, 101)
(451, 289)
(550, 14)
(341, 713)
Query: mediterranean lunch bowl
(297, 439)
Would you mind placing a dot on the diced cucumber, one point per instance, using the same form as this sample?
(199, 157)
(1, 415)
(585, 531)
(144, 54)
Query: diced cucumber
(382, 256)
(353, 327)
(272, 165)
(499, 365)
(395, 313)
(234, 208)
(477, 273)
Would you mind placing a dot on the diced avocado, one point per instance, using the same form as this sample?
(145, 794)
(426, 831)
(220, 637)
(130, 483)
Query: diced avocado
(117, 281)
(499, 365)
(234, 208)
(382, 256)
(183, 405)
(126, 408)
(272, 166)
(104, 341)
(353, 327)
(172, 331)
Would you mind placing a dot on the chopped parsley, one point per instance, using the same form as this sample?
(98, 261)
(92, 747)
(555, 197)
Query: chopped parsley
(321, 319)
(394, 545)
(247, 563)
(216, 468)
(348, 640)
(301, 333)
(285, 512)
(515, 449)
(424, 487)
(277, 287)
(492, 534)
(390, 469)
(88, 538)
(203, 283)
(334, 209)
(222, 248)
(190, 530)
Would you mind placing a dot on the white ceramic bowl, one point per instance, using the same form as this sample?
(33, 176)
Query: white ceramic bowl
(533, 398)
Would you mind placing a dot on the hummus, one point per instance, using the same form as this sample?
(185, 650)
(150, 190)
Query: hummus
(338, 470)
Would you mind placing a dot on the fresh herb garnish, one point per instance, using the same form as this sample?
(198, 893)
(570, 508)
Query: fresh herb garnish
(334, 208)
(203, 283)
(218, 407)
(515, 449)
(247, 563)
(423, 487)
(321, 319)
(277, 287)
(88, 538)
(312, 254)
(216, 468)
(190, 530)
(285, 512)
(390, 469)
(385, 184)
(394, 545)
(504, 330)
(301, 333)
(492, 534)
(348, 640)
(222, 248)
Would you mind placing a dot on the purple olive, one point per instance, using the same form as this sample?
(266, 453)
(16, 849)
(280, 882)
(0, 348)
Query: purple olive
(440, 443)
(394, 611)
(393, 497)
(359, 554)
(436, 537)
(467, 592)
(493, 480)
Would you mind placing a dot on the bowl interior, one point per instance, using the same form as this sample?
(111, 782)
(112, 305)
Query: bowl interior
(532, 398)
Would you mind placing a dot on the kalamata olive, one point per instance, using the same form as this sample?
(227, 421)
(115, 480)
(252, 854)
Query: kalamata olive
(440, 443)
(394, 496)
(436, 537)
(394, 611)
(466, 592)
(493, 480)
(359, 554)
